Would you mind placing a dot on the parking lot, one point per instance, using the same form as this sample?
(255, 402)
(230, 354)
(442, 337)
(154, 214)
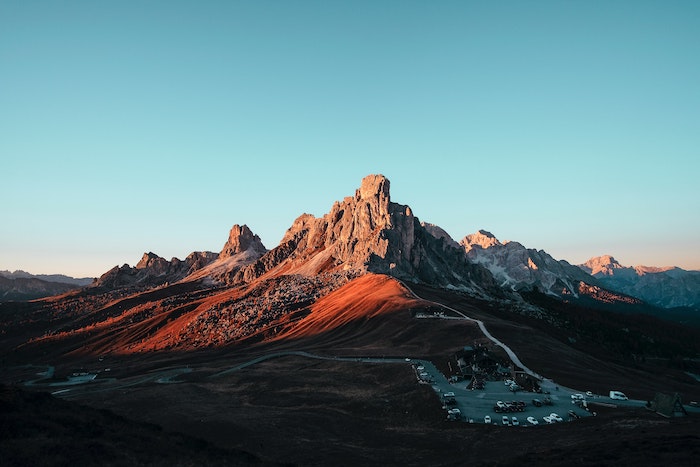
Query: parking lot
(475, 404)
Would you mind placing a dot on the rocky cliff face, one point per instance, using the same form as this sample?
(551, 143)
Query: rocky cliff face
(517, 267)
(240, 240)
(367, 232)
(665, 287)
(241, 249)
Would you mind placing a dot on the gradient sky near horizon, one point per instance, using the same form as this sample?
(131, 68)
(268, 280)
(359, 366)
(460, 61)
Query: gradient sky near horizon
(130, 126)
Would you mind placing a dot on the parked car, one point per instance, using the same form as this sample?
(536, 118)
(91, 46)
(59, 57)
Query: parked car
(537, 402)
(577, 397)
(505, 420)
(532, 421)
(555, 417)
(454, 414)
(617, 395)
(515, 421)
(548, 419)
(589, 394)
(449, 398)
(487, 419)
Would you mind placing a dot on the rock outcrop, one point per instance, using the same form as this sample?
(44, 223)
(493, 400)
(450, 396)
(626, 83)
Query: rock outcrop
(242, 248)
(242, 239)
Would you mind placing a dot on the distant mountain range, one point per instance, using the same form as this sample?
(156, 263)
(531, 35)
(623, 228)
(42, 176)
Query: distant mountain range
(21, 285)
(19, 274)
(667, 287)
(517, 267)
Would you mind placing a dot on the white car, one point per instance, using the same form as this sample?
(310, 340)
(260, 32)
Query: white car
(548, 419)
(487, 419)
(589, 394)
(617, 395)
(532, 421)
(515, 421)
(555, 417)
(505, 420)
(577, 397)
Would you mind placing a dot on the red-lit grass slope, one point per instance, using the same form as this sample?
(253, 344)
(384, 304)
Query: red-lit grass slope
(360, 300)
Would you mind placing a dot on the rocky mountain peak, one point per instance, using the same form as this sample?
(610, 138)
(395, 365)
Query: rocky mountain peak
(149, 260)
(601, 265)
(241, 239)
(374, 186)
(368, 233)
(481, 239)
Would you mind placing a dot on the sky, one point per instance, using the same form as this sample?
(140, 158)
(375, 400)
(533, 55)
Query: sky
(130, 126)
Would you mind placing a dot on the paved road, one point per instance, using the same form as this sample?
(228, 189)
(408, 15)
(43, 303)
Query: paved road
(513, 357)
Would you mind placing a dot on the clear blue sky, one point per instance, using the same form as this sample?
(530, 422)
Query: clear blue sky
(131, 126)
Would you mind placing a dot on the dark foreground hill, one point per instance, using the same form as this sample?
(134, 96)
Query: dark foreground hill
(40, 430)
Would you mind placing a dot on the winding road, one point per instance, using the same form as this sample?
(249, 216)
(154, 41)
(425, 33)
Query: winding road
(513, 357)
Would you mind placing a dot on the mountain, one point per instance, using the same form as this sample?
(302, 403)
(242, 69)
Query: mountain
(518, 268)
(21, 285)
(241, 248)
(31, 288)
(60, 278)
(365, 233)
(667, 287)
(249, 293)
(152, 271)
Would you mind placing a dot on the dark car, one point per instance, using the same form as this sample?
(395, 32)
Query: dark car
(537, 402)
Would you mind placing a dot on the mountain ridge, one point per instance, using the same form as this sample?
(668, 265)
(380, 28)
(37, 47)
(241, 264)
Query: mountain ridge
(667, 287)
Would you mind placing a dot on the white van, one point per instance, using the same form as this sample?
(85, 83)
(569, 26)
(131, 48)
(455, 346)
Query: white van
(617, 395)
